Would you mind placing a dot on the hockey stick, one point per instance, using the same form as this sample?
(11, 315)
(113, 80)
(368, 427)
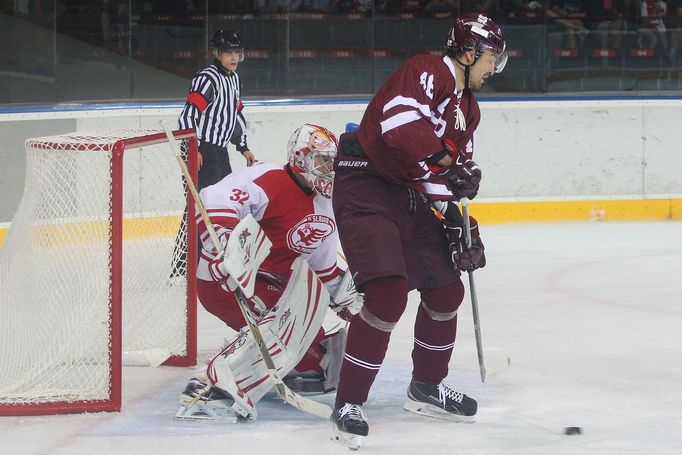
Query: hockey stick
(288, 395)
(472, 290)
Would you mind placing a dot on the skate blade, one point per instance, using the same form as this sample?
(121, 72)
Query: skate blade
(243, 414)
(435, 412)
(199, 411)
(352, 441)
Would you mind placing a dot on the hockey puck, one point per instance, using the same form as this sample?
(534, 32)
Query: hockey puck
(573, 430)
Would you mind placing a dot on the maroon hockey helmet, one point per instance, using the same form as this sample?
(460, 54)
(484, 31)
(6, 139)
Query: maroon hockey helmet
(478, 33)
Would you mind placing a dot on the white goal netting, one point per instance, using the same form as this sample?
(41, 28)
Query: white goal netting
(94, 218)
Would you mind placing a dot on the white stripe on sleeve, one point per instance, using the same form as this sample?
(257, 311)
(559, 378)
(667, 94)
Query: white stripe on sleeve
(404, 101)
(399, 120)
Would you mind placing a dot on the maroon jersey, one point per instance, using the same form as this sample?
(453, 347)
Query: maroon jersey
(409, 117)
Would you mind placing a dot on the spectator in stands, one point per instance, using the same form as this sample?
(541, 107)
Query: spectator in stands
(322, 6)
(276, 6)
(652, 29)
(348, 6)
(568, 16)
(675, 30)
(442, 6)
(179, 9)
(526, 10)
(487, 7)
(231, 7)
(607, 18)
(115, 26)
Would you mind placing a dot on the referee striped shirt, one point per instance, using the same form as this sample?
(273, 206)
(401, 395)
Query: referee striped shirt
(214, 108)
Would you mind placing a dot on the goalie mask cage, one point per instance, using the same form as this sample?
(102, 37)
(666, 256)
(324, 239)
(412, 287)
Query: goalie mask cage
(96, 268)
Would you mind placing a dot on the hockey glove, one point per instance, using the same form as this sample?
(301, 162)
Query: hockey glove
(345, 301)
(466, 260)
(467, 176)
(215, 266)
(217, 270)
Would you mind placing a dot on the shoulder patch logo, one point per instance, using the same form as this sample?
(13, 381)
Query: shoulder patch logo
(309, 233)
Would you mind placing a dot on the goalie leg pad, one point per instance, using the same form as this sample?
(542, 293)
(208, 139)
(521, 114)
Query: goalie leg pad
(222, 376)
(335, 344)
(288, 330)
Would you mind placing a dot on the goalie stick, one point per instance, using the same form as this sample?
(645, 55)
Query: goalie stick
(242, 284)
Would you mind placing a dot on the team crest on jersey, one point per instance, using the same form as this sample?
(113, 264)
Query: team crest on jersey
(309, 233)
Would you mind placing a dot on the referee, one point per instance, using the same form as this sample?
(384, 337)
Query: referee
(214, 108)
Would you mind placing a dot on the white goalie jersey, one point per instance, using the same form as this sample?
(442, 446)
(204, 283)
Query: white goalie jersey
(299, 222)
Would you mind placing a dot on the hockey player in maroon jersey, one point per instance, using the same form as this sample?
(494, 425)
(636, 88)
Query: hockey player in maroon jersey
(292, 204)
(412, 149)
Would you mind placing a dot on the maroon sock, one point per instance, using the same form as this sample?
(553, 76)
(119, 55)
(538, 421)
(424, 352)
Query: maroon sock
(434, 332)
(385, 301)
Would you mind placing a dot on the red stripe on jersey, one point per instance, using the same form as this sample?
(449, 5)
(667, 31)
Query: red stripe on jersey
(215, 214)
(226, 223)
(206, 257)
(198, 100)
(240, 106)
(336, 272)
(325, 271)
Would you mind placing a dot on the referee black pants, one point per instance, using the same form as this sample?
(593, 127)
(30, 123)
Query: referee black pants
(215, 164)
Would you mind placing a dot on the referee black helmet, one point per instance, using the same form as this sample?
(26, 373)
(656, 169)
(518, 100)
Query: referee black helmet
(226, 40)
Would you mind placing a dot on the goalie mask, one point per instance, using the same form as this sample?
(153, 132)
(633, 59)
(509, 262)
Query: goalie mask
(311, 152)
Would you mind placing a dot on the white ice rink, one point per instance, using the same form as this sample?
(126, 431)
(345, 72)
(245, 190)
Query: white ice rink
(589, 313)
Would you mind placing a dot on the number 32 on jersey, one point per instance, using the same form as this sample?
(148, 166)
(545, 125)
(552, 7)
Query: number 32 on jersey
(239, 196)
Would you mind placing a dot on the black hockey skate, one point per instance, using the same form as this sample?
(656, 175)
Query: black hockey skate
(350, 423)
(201, 401)
(440, 401)
(306, 384)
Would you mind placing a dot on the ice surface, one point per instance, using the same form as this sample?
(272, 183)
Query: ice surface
(589, 313)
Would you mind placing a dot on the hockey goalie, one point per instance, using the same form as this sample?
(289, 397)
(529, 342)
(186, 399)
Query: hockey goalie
(293, 287)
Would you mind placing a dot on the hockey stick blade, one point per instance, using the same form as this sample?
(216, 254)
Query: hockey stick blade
(304, 404)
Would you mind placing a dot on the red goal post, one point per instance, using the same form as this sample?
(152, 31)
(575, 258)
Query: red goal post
(96, 269)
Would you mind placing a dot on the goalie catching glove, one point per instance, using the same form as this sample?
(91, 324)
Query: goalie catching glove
(346, 301)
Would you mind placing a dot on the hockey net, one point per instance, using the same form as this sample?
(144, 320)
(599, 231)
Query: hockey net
(95, 268)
